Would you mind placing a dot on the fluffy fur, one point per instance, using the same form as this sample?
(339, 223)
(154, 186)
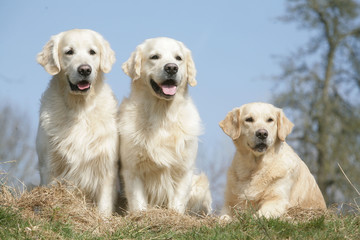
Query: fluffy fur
(266, 174)
(159, 127)
(77, 137)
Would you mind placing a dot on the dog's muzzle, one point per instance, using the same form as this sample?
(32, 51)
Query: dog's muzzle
(261, 137)
(84, 70)
(167, 89)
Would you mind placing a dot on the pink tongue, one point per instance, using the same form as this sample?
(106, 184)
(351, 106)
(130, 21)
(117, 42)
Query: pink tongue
(168, 89)
(83, 85)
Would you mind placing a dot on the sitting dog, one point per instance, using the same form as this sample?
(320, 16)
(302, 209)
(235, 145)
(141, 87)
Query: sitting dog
(77, 139)
(159, 128)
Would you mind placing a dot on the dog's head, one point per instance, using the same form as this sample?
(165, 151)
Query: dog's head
(256, 126)
(79, 55)
(163, 64)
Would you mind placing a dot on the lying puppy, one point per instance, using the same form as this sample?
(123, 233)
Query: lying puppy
(159, 128)
(77, 138)
(266, 174)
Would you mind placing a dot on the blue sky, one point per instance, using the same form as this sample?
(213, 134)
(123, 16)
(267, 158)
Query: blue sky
(233, 44)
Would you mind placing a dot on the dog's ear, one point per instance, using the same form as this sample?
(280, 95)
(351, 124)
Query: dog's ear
(190, 66)
(107, 55)
(49, 56)
(284, 125)
(191, 70)
(132, 67)
(231, 125)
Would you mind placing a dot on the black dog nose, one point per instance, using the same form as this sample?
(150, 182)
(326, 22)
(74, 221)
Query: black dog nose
(171, 68)
(84, 70)
(262, 134)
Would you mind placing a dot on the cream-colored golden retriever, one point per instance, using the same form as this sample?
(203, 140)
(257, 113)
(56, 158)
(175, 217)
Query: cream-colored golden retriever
(77, 139)
(266, 174)
(159, 127)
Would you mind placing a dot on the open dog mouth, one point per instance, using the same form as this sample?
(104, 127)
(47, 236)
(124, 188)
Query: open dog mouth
(166, 89)
(81, 86)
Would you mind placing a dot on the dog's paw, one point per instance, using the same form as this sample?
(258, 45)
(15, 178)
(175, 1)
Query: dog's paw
(225, 218)
(270, 213)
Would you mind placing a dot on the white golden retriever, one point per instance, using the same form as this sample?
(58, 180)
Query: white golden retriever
(266, 174)
(159, 127)
(77, 139)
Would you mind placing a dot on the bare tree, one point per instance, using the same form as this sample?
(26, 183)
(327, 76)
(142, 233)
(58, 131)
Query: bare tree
(17, 152)
(322, 88)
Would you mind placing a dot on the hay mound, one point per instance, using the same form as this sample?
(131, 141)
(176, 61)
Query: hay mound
(68, 204)
(65, 204)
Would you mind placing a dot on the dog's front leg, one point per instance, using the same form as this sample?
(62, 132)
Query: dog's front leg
(106, 195)
(181, 195)
(278, 200)
(135, 192)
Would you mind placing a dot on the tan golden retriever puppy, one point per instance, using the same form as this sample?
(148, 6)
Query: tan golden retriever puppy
(266, 174)
(159, 127)
(77, 138)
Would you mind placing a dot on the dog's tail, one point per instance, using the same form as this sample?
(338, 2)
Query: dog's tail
(200, 197)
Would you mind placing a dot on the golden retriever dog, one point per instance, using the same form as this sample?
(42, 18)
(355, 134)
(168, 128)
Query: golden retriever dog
(159, 128)
(77, 139)
(266, 175)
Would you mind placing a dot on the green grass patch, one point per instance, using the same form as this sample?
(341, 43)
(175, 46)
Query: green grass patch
(14, 226)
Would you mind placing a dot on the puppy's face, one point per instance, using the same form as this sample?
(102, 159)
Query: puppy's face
(164, 65)
(79, 55)
(256, 126)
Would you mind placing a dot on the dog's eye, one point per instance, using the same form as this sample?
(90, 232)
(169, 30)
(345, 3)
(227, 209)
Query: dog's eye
(154, 57)
(92, 52)
(178, 58)
(69, 52)
(249, 119)
(270, 120)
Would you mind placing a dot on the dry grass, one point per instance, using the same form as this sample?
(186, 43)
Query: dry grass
(58, 203)
(68, 205)
(169, 219)
(297, 214)
(294, 214)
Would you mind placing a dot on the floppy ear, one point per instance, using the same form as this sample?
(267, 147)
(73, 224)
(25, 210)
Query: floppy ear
(49, 56)
(231, 124)
(191, 70)
(284, 125)
(107, 55)
(132, 67)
